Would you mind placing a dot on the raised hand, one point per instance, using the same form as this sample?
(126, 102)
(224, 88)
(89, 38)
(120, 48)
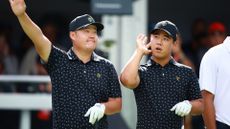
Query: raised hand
(142, 44)
(18, 7)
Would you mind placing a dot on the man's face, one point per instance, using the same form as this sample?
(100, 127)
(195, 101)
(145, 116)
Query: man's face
(216, 38)
(85, 38)
(161, 44)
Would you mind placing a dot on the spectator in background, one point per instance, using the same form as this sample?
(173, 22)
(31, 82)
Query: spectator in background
(8, 60)
(217, 33)
(196, 46)
(4, 87)
(8, 65)
(23, 48)
(53, 29)
(179, 55)
(6, 53)
(1, 66)
(28, 61)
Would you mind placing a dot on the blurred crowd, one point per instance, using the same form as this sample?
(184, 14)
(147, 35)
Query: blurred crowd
(21, 59)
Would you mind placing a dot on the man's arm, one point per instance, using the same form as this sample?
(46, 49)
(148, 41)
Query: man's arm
(209, 110)
(197, 107)
(113, 106)
(188, 122)
(129, 76)
(208, 79)
(41, 43)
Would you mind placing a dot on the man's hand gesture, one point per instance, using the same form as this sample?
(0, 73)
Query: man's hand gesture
(142, 45)
(18, 6)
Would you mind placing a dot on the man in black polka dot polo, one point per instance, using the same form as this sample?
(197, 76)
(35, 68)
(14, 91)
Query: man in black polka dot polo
(165, 90)
(85, 86)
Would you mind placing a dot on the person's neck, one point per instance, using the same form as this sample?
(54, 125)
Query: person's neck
(161, 61)
(84, 56)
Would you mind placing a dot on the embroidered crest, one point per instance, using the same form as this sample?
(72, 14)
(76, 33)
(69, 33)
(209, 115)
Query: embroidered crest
(90, 19)
(177, 78)
(164, 23)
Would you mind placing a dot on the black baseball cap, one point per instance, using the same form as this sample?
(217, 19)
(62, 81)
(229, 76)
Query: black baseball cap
(83, 21)
(168, 27)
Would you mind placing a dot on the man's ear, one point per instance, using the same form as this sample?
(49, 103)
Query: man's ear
(72, 35)
(177, 41)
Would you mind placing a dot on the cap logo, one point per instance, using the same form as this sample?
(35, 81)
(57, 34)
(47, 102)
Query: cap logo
(164, 23)
(90, 19)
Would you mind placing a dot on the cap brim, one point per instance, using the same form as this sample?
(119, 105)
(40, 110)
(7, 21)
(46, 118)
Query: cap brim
(174, 38)
(99, 26)
(162, 30)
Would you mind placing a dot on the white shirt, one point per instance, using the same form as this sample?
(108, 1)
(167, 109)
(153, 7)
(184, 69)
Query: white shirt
(215, 78)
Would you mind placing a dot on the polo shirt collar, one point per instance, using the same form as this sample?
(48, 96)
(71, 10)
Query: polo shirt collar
(151, 62)
(226, 43)
(72, 56)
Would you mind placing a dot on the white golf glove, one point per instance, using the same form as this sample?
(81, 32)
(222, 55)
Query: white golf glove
(182, 108)
(95, 113)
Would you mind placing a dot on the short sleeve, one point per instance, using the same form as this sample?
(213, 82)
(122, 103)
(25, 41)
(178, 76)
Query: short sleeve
(194, 88)
(207, 73)
(115, 90)
(55, 58)
(141, 72)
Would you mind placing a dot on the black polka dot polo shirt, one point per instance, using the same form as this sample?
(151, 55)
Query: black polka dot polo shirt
(159, 90)
(77, 86)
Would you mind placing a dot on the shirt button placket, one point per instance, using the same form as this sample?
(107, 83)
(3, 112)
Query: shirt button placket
(162, 71)
(84, 69)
